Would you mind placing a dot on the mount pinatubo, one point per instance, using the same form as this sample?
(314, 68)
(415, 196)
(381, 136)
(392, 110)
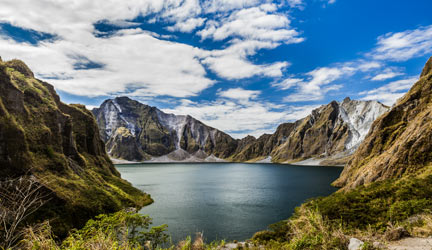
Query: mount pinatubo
(60, 190)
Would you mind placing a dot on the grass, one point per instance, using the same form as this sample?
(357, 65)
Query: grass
(61, 143)
(367, 213)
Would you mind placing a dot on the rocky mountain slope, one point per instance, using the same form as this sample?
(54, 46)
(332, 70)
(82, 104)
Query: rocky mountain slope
(399, 142)
(137, 132)
(329, 134)
(60, 145)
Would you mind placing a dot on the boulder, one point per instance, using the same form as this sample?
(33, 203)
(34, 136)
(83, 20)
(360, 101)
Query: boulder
(355, 244)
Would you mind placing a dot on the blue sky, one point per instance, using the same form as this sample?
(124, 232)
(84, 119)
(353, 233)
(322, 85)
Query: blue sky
(242, 66)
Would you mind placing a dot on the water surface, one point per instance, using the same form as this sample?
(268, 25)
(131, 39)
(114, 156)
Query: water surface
(226, 201)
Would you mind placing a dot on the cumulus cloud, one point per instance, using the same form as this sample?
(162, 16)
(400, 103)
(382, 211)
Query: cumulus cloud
(133, 61)
(211, 6)
(138, 62)
(255, 23)
(188, 25)
(239, 94)
(316, 83)
(402, 46)
(238, 112)
(389, 93)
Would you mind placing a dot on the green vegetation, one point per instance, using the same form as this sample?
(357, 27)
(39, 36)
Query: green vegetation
(60, 146)
(124, 230)
(121, 230)
(367, 212)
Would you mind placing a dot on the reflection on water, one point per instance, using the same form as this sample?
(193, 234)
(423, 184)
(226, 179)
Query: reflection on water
(226, 201)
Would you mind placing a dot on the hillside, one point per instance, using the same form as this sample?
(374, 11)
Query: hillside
(136, 132)
(329, 135)
(386, 187)
(399, 143)
(59, 144)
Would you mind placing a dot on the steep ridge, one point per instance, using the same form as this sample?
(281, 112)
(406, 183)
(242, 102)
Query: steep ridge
(330, 134)
(137, 132)
(399, 142)
(60, 145)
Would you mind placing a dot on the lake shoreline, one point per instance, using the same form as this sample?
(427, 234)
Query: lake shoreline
(230, 201)
(127, 163)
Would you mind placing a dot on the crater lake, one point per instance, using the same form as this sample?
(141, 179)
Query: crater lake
(228, 201)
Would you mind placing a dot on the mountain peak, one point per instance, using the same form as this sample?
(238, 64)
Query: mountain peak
(399, 141)
(347, 99)
(427, 68)
(122, 98)
(21, 67)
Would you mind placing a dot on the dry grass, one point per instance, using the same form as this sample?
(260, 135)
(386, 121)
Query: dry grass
(310, 230)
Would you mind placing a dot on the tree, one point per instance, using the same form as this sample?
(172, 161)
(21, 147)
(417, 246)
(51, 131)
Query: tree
(19, 198)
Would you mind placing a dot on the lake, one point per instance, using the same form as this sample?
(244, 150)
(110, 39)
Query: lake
(226, 200)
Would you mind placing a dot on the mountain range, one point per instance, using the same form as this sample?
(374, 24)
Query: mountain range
(134, 131)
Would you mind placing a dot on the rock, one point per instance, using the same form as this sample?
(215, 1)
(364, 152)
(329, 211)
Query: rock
(378, 245)
(396, 234)
(355, 244)
(60, 145)
(136, 132)
(427, 68)
(398, 143)
(331, 132)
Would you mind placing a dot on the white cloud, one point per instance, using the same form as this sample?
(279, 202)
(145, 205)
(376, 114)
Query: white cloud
(239, 94)
(389, 93)
(402, 46)
(239, 113)
(228, 5)
(133, 60)
(255, 23)
(387, 74)
(295, 3)
(188, 25)
(90, 107)
(136, 61)
(366, 66)
(288, 83)
(317, 83)
(235, 67)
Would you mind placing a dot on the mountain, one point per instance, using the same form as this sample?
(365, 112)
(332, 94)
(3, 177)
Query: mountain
(399, 142)
(136, 132)
(60, 145)
(329, 135)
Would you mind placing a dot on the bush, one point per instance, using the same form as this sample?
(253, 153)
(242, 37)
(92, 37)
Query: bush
(126, 230)
(122, 230)
(378, 204)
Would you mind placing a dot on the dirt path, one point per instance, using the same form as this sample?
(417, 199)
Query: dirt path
(411, 244)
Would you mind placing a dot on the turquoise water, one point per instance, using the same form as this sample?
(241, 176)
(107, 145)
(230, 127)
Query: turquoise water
(226, 201)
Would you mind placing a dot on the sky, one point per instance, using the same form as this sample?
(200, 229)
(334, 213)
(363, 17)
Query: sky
(242, 66)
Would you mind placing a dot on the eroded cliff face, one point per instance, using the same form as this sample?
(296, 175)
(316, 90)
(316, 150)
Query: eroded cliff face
(330, 134)
(137, 132)
(399, 142)
(61, 146)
